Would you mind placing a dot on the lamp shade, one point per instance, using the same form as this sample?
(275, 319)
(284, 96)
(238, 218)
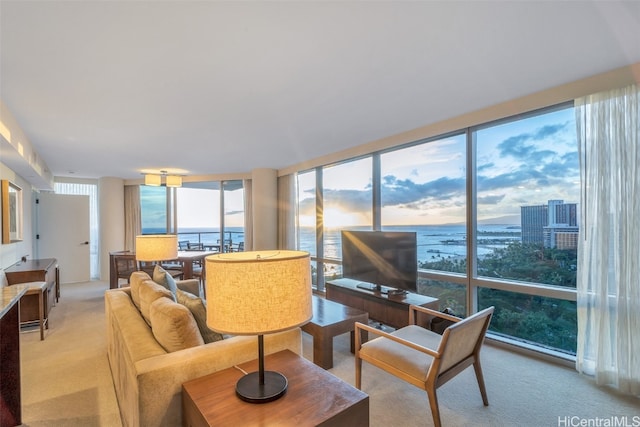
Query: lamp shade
(173, 181)
(258, 292)
(152, 179)
(156, 247)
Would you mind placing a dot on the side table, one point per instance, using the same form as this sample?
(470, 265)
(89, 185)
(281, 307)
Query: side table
(331, 319)
(314, 397)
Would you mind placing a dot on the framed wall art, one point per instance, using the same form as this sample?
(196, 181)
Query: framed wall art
(11, 212)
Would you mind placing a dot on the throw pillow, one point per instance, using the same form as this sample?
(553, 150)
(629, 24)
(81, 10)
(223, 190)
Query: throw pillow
(161, 277)
(198, 309)
(149, 292)
(137, 277)
(173, 325)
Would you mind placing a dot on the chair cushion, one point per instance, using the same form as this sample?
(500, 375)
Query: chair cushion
(162, 277)
(412, 362)
(198, 309)
(173, 326)
(149, 292)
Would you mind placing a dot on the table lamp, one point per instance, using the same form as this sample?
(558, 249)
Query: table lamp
(156, 247)
(257, 293)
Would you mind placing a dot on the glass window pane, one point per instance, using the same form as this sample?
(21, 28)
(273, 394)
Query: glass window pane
(348, 199)
(424, 190)
(528, 185)
(532, 319)
(234, 214)
(307, 212)
(450, 295)
(198, 211)
(153, 209)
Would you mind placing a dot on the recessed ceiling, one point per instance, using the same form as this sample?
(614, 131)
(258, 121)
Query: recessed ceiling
(110, 88)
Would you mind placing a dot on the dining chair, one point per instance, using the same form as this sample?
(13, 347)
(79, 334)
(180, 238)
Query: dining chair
(424, 358)
(124, 265)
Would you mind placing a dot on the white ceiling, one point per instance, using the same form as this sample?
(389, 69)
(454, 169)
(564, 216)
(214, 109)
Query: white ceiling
(111, 88)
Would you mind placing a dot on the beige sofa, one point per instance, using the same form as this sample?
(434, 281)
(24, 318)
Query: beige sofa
(148, 379)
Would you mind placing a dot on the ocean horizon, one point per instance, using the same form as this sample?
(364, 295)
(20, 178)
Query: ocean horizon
(434, 242)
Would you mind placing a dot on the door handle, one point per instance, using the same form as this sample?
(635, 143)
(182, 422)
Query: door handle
(85, 243)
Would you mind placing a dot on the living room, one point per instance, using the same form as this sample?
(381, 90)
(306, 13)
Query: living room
(555, 70)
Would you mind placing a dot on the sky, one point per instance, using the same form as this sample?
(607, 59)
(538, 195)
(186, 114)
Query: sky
(520, 163)
(197, 208)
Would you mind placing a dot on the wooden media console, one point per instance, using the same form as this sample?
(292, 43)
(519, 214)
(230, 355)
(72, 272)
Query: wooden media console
(387, 308)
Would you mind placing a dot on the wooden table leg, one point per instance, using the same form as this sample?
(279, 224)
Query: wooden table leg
(323, 350)
(41, 309)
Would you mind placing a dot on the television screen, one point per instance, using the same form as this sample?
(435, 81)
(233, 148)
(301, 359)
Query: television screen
(380, 258)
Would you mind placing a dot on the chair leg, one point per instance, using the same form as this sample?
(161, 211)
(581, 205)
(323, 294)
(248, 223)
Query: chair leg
(433, 403)
(483, 391)
(358, 372)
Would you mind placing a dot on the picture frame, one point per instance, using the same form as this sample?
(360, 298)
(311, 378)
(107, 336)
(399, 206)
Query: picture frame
(12, 220)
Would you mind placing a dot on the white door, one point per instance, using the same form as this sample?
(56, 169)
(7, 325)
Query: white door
(62, 232)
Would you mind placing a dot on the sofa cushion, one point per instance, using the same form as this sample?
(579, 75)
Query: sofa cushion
(161, 277)
(136, 278)
(198, 309)
(149, 292)
(173, 325)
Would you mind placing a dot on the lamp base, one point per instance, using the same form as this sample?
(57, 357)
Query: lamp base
(249, 389)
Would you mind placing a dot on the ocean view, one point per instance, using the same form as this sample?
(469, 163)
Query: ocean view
(204, 235)
(434, 241)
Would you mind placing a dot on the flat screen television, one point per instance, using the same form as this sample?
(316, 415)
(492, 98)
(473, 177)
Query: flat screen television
(381, 259)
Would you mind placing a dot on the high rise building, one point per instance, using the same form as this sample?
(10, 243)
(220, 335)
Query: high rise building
(532, 220)
(554, 225)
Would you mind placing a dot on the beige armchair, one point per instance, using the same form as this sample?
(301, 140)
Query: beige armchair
(422, 357)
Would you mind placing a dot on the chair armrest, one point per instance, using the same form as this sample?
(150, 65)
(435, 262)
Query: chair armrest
(392, 337)
(436, 313)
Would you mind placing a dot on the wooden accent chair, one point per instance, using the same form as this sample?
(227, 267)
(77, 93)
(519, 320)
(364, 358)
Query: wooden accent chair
(424, 358)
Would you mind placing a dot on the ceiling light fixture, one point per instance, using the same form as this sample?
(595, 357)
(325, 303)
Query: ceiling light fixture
(155, 179)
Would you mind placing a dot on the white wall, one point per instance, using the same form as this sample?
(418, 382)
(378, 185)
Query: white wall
(111, 220)
(264, 184)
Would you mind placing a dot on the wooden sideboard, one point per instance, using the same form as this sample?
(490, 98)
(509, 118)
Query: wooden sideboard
(389, 309)
(36, 270)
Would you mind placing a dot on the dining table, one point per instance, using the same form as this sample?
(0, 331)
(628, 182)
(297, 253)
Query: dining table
(188, 258)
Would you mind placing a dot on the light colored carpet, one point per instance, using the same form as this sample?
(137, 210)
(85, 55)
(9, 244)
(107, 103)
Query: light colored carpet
(66, 381)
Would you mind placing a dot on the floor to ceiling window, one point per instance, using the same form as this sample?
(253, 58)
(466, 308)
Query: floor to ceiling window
(423, 189)
(198, 212)
(347, 204)
(495, 212)
(528, 188)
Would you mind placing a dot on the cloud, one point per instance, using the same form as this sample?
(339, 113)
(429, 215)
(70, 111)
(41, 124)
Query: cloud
(406, 192)
(539, 159)
(490, 200)
(526, 146)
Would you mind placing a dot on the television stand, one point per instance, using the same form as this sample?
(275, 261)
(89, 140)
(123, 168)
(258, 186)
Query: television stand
(382, 289)
(387, 308)
(368, 286)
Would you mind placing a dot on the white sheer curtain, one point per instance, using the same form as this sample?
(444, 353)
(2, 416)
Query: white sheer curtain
(609, 249)
(132, 216)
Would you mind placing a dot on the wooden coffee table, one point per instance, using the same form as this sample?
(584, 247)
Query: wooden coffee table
(314, 397)
(331, 319)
